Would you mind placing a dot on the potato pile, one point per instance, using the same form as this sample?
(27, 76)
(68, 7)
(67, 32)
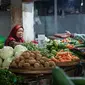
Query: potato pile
(32, 60)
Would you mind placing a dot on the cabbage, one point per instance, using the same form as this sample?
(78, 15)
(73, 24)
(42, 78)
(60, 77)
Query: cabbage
(6, 52)
(19, 49)
(6, 62)
(17, 54)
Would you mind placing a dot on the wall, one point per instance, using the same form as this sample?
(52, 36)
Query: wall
(73, 23)
(5, 23)
(46, 26)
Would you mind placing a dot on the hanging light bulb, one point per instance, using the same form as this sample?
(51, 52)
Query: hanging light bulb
(81, 2)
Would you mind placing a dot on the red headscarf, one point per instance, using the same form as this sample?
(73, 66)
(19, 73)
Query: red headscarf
(12, 36)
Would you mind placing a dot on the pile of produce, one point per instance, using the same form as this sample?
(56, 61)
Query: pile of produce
(65, 56)
(32, 60)
(51, 48)
(30, 46)
(6, 56)
(29, 52)
(8, 78)
(71, 41)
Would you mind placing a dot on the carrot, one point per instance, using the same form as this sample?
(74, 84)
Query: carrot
(54, 59)
(62, 53)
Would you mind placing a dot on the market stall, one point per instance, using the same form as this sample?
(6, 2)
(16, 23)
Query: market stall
(36, 63)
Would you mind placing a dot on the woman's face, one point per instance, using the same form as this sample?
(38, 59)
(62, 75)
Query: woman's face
(20, 32)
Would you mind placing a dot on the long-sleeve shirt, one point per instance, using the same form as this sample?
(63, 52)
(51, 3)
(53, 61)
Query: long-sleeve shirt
(14, 43)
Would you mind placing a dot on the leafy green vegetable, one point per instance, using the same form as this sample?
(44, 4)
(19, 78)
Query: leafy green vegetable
(8, 78)
(30, 46)
(61, 45)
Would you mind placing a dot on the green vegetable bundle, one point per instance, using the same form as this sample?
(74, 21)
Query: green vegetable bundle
(8, 78)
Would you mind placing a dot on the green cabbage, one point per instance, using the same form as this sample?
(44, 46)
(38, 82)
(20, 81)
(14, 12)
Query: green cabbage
(6, 52)
(6, 62)
(19, 49)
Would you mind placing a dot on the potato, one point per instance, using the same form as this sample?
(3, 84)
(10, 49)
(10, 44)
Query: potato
(21, 58)
(26, 60)
(37, 65)
(31, 58)
(38, 62)
(45, 59)
(52, 64)
(41, 66)
(33, 52)
(26, 57)
(46, 64)
(31, 67)
(37, 52)
(26, 65)
(13, 64)
(25, 54)
(42, 61)
(21, 63)
(32, 55)
(17, 59)
(38, 56)
(29, 52)
(32, 61)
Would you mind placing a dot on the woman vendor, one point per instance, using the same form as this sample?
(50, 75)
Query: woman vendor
(15, 37)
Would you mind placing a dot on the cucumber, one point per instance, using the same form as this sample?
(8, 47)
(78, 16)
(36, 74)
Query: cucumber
(78, 80)
(77, 53)
(60, 78)
(80, 45)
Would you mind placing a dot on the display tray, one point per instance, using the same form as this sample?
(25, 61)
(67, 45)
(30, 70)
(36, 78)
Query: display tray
(62, 35)
(31, 71)
(72, 63)
(42, 70)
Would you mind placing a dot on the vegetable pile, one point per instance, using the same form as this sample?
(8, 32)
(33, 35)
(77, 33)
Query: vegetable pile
(65, 56)
(32, 60)
(6, 56)
(8, 78)
(29, 55)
